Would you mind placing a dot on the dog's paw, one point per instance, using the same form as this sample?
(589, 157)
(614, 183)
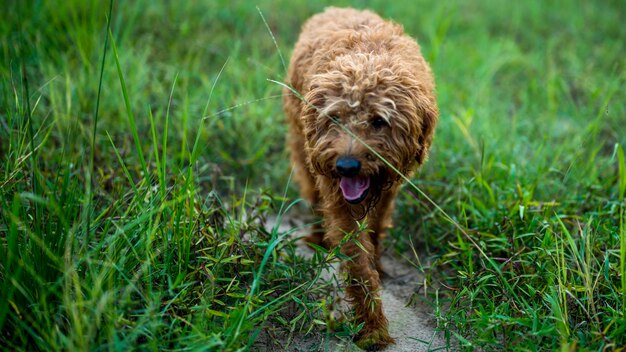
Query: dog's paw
(374, 340)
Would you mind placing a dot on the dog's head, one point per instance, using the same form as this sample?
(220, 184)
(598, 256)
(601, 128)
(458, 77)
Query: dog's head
(363, 117)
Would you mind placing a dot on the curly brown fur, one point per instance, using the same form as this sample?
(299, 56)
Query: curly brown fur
(365, 85)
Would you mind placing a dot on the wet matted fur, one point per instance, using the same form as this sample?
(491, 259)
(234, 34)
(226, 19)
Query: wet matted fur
(368, 102)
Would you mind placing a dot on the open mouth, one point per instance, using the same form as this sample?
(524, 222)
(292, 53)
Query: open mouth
(354, 189)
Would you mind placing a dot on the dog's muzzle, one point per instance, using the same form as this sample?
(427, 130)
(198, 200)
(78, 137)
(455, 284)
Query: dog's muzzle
(353, 186)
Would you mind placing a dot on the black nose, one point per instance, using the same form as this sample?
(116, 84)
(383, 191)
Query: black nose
(348, 166)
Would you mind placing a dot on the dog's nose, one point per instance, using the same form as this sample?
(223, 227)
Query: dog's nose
(348, 166)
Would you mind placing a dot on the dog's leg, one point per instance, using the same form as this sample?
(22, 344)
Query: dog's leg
(363, 289)
(363, 283)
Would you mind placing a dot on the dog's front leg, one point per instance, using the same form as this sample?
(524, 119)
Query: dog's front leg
(363, 282)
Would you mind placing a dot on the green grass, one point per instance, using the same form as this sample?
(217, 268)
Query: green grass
(143, 228)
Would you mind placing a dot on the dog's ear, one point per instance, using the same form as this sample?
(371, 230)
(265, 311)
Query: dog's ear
(429, 114)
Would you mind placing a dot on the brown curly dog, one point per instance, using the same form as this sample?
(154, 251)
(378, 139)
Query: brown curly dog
(366, 110)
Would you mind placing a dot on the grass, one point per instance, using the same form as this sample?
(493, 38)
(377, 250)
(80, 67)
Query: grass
(142, 227)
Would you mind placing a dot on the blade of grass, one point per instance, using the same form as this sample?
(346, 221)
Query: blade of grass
(621, 169)
(164, 143)
(123, 164)
(10, 261)
(155, 146)
(33, 151)
(194, 150)
(280, 54)
(622, 188)
(92, 152)
(622, 251)
(129, 110)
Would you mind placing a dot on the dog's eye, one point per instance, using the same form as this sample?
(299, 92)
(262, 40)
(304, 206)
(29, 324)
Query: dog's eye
(379, 122)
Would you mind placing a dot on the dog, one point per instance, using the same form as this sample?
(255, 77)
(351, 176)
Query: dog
(361, 112)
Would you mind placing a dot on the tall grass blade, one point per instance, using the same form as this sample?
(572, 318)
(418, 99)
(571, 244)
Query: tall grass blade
(164, 143)
(280, 54)
(92, 153)
(621, 161)
(621, 169)
(194, 150)
(129, 110)
(33, 150)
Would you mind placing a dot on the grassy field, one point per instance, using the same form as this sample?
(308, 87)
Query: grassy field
(133, 190)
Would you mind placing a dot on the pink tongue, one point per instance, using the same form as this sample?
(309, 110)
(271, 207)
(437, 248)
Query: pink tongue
(354, 187)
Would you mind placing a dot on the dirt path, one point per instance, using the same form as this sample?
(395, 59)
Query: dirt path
(412, 326)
